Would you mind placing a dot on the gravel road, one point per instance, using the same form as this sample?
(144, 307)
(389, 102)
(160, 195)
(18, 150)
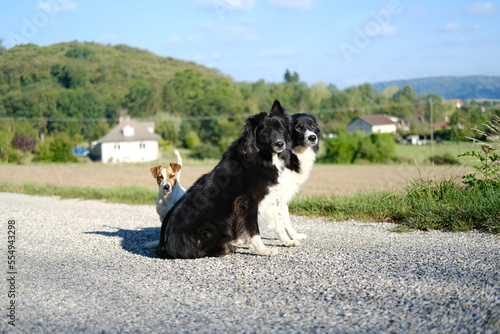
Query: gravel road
(81, 268)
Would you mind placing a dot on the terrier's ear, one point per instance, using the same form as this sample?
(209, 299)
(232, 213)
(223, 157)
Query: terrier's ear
(175, 167)
(155, 171)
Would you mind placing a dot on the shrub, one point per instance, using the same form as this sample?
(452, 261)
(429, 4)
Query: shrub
(489, 159)
(385, 147)
(24, 143)
(205, 151)
(56, 149)
(444, 159)
(192, 139)
(342, 149)
(356, 147)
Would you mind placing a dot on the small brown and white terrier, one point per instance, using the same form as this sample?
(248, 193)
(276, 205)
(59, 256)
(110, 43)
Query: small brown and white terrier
(169, 187)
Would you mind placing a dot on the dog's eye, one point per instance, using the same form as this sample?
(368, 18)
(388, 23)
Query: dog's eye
(299, 127)
(281, 130)
(265, 133)
(171, 175)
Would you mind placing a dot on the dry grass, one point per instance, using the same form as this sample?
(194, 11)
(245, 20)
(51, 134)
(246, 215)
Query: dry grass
(324, 180)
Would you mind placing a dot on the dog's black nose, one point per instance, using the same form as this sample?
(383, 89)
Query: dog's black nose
(279, 144)
(166, 187)
(312, 138)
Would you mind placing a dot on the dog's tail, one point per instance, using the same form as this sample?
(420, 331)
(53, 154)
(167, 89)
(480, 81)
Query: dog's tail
(178, 159)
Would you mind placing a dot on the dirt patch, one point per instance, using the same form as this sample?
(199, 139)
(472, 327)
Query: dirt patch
(324, 180)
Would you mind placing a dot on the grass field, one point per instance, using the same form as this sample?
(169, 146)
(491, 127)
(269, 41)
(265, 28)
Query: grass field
(420, 154)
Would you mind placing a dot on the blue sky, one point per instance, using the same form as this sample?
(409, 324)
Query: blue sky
(334, 41)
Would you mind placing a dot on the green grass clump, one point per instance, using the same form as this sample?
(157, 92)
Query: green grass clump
(424, 204)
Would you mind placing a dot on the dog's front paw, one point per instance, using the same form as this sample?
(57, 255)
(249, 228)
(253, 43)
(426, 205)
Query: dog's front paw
(292, 243)
(238, 242)
(299, 236)
(268, 252)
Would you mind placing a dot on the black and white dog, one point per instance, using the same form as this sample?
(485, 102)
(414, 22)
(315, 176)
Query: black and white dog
(273, 210)
(222, 206)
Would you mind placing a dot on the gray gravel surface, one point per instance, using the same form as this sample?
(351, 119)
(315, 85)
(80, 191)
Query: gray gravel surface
(82, 268)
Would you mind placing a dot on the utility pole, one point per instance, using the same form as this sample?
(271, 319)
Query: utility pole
(432, 126)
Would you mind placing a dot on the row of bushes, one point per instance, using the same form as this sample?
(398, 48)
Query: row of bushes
(355, 147)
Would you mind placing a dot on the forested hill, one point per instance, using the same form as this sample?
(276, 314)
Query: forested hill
(123, 77)
(450, 87)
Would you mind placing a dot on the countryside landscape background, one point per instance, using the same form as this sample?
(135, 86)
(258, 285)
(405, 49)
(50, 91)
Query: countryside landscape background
(75, 92)
(55, 98)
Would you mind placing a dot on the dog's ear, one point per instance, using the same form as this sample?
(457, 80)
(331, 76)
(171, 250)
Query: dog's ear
(248, 147)
(277, 109)
(155, 171)
(175, 167)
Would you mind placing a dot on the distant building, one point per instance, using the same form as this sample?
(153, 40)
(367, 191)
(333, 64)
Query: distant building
(413, 139)
(129, 141)
(373, 124)
(441, 124)
(457, 102)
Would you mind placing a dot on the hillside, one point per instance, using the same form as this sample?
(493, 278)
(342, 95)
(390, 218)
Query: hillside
(89, 63)
(450, 87)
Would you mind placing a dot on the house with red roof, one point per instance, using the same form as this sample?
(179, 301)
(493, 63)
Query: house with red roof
(373, 124)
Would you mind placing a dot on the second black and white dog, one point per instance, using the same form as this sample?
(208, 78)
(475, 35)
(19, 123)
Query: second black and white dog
(222, 206)
(273, 210)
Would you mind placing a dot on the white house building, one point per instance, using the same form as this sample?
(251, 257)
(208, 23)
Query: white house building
(373, 124)
(129, 141)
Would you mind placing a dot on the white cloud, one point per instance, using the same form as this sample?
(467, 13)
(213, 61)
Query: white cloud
(53, 6)
(451, 26)
(480, 8)
(194, 38)
(388, 30)
(174, 40)
(292, 4)
(228, 4)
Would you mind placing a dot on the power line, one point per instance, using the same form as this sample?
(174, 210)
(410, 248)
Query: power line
(163, 117)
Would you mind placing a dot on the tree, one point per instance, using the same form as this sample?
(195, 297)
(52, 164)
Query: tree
(24, 143)
(98, 130)
(80, 52)
(407, 92)
(465, 121)
(2, 47)
(390, 91)
(318, 93)
(289, 77)
(6, 136)
(168, 130)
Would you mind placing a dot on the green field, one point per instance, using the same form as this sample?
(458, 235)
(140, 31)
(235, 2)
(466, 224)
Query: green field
(420, 154)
